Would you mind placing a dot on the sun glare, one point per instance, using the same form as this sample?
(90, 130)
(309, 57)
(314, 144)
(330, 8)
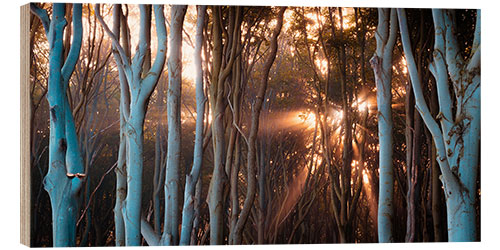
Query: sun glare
(405, 66)
(307, 118)
(361, 105)
(322, 65)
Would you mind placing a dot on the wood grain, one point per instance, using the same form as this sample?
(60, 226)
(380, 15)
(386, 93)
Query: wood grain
(25, 127)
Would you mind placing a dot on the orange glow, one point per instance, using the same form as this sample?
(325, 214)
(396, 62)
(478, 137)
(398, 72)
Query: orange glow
(322, 65)
(365, 177)
(347, 18)
(317, 160)
(405, 68)
(361, 105)
(308, 119)
(316, 21)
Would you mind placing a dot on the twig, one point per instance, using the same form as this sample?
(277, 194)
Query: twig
(95, 190)
(232, 110)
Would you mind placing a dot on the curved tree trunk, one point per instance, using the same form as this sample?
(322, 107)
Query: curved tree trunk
(457, 139)
(140, 87)
(193, 177)
(254, 127)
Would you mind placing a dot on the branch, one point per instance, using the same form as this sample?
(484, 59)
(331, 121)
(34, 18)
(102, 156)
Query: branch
(76, 44)
(438, 69)
(42, 15)
(93, 192)
(236, 38)
(114, 39)
(477, 34)
(475, 61)
(143, 45)
(392, 32)
(149, 233)
(421, 105)
(154, 73)
(454, 59)
(124, 86)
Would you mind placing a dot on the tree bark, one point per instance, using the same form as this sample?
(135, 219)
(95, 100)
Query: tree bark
(65, 175)
(172, 181)
(457, 140)
(382, 67)
(193, 178)
(140, 87)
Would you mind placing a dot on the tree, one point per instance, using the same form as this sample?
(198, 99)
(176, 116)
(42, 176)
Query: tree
(297, 126)
(141, 82)
(219, 74)
(382, 67)
(172, 179)
(193, 177)
(456, 136)
(120, 30)
(257, 107)
(65, 160)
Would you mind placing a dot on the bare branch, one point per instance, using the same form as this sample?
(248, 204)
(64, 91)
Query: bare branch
(114, 39)
(76, 44)
(42, 14)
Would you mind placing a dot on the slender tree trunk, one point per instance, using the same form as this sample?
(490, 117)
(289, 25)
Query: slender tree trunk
(235, 151)
(121, 187)
(220, 72)
(457, 139)
(157, 176)
(413, 195)
(409, 133)
(121, 171)
(216, 184)
(216, 103)
(382, 67)
(196, 220)
(261, 217)
(193, 178)
(172, 181)
(436, 194)
(254, 127)
(347, 142)
(140, 87)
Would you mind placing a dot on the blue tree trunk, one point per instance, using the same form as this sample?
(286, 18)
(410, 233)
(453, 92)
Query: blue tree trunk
(64, 178)
(132, 208)
(382, 68)
(140, 86)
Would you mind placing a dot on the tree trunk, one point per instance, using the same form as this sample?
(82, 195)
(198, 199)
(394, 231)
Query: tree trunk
(382, 68)
(139, 88)
(172, 181)
(193, 178)
(254, 127)
(65, 175)
(133, 199)
(457, 139)
(220, 72)
(121, 171)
